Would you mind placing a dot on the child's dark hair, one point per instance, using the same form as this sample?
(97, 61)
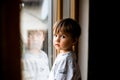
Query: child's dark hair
(69, 26)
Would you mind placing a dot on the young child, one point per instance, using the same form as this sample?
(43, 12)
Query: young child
(35, 60)
(66, 34)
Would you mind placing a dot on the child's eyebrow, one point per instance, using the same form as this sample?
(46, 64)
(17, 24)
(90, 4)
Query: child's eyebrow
(66, 34)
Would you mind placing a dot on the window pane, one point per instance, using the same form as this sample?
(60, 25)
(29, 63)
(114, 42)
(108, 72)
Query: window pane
(34, 35)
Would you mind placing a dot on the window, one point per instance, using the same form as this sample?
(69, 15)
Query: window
(10, 27)
(36, 35)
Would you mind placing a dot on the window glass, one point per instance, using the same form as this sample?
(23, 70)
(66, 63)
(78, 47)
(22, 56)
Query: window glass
(34, 37)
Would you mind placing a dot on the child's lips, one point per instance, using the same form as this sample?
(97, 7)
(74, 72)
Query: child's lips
(57, 45)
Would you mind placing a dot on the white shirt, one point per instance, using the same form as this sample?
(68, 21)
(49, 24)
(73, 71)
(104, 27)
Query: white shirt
(65, 68)
(35, 66)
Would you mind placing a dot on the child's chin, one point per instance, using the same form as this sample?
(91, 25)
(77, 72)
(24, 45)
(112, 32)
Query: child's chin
(57, 48)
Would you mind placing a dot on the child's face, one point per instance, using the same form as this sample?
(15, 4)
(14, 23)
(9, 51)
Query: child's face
(62, 42)
(35, 39)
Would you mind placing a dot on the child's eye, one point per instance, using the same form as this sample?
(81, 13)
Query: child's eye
(63, 36)
(38, 34)
(54, 35)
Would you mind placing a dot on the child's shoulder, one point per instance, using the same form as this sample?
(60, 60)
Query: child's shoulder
(26, 55)
(43, 53)
(67, 56)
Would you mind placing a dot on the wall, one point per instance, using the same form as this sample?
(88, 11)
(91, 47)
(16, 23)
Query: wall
(83, 45)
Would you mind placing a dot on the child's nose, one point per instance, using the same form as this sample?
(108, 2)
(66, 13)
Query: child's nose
(57, 39)
(35, 37)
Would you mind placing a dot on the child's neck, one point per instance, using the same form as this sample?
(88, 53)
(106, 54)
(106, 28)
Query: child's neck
(65, 51)
(35, 51)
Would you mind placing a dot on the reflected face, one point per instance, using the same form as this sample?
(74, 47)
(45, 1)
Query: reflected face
(35, 39)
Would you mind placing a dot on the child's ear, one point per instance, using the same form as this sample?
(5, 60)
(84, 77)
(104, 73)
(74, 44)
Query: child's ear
(74, 41)
(43, 36)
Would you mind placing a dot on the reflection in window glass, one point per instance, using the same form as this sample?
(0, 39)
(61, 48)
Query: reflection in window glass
(34, 19)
